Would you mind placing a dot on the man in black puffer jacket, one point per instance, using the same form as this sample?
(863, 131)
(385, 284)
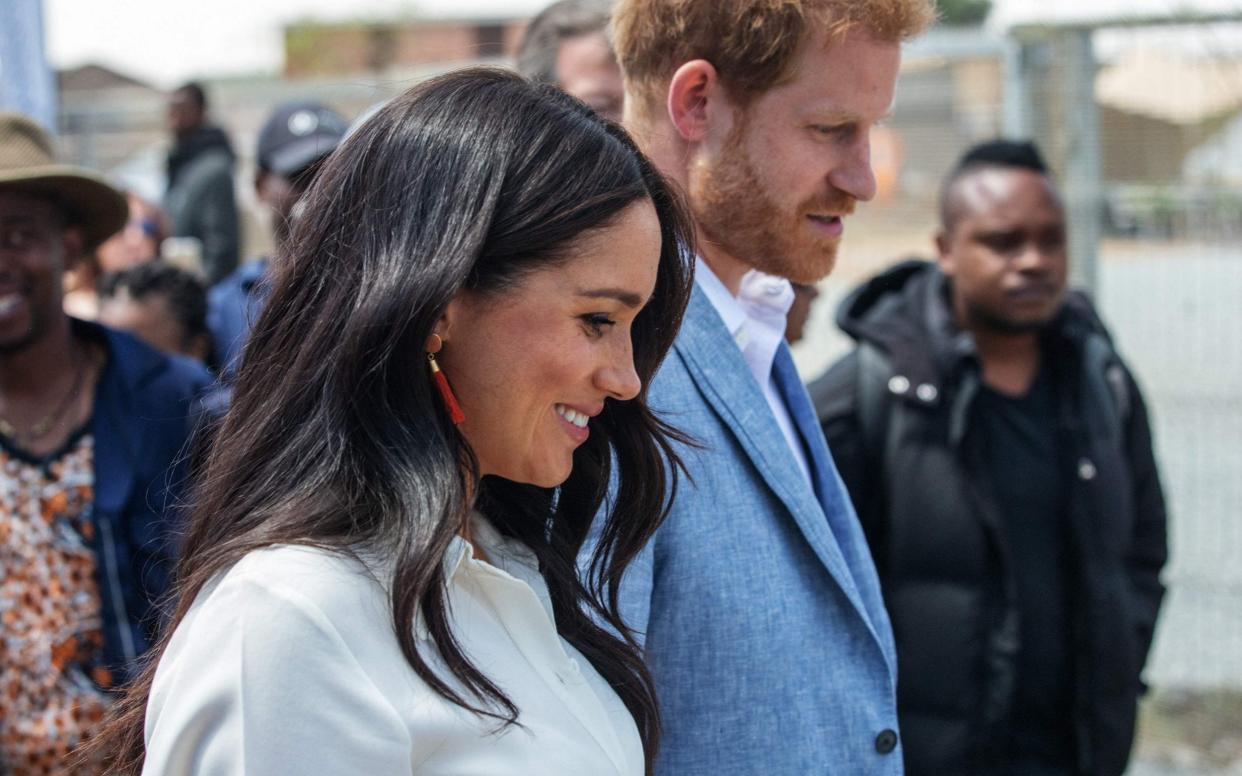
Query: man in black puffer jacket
(999, 454)
(200, 200)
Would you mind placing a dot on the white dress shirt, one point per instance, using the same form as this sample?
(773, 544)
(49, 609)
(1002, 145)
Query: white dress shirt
(287, 664)
(756, 319)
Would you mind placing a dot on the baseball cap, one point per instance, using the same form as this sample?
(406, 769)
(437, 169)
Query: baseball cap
(298, 134)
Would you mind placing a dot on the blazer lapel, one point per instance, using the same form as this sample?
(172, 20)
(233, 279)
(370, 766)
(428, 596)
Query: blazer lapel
(717, 368)
(829, 488)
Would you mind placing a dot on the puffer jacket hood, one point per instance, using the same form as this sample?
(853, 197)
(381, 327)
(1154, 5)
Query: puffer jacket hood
(905, 312)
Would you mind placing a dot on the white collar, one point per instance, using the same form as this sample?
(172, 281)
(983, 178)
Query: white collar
(507, 558)
(726, 304)
(763, 300)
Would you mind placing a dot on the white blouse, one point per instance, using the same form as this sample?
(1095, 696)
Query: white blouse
(287, 664)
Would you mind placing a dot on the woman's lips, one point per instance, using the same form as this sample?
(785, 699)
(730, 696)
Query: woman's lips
(574, 421)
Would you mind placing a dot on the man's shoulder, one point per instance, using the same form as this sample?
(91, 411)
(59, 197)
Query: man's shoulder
(149, 375)
(834, 393)
(211, 168)
(239, 284)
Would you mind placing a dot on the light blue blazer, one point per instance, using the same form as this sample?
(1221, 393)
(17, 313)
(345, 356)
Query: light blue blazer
(757, 600)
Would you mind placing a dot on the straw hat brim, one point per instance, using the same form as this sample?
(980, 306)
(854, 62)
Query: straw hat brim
(96, 207)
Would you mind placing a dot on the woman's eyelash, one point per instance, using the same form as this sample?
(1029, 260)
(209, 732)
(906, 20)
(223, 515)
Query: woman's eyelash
(596, 322)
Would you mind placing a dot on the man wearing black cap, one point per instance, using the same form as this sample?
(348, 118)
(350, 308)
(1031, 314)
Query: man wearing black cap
(91, 426)
(292, 143)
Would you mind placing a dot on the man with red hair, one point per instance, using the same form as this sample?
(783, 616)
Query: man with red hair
(756, 601)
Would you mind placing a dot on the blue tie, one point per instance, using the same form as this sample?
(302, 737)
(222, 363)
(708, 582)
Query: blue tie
(798, 403)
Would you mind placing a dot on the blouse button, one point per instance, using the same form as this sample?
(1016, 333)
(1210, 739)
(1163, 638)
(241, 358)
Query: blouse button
(570, 673)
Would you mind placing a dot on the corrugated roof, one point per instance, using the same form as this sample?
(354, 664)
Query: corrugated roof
(1174, 89)
(94, 77)
(1008, 14)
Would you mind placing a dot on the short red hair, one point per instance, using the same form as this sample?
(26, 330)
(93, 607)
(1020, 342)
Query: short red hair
(751, 43)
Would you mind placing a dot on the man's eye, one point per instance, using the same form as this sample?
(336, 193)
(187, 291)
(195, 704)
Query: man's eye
(1003, 243)
(844, 132)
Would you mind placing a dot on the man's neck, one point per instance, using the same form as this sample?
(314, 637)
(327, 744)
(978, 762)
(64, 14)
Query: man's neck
(190, 131)
(729, 270)
(1010, 360)
(672, 156)
(45, 362)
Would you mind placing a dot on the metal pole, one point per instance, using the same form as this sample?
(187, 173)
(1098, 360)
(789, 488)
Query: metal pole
(1082, 186)
(26, 82)
(1016, 95)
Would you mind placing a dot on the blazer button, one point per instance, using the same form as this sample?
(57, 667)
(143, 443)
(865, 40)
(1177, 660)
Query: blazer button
(886, 742)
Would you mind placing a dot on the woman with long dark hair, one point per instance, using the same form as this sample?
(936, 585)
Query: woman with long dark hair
(379, 574)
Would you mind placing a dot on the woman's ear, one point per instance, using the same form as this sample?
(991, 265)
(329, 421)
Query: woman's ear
(453, 313)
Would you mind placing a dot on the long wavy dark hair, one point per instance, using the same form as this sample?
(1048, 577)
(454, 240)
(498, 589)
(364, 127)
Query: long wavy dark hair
(336, 437)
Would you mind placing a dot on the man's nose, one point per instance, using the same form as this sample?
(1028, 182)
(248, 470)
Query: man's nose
(854, 175)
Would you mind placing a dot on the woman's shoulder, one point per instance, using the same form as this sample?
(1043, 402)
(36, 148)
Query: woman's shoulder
(313, 570)
(295, 585)
(296, 639)
(298, 564)
(286, 608)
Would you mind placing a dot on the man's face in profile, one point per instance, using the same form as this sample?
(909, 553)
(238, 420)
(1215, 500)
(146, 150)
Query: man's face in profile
(773, 187)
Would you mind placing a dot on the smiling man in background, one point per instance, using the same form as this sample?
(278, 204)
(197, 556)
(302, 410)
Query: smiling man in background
(92, 428)
(999, 454)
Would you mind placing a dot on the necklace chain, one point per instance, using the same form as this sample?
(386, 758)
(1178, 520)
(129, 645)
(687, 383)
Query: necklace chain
(49, 421)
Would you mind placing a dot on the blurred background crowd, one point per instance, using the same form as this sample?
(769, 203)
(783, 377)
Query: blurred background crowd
(1138, 107)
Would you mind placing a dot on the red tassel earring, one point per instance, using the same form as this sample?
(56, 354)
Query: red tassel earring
(446, 392)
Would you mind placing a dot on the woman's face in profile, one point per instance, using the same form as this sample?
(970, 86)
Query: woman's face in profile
(533, 364)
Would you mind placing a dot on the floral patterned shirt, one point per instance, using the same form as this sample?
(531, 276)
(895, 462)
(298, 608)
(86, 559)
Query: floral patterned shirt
(53, 685)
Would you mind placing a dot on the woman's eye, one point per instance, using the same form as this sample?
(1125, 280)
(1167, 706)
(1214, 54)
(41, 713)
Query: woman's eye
(596, 323)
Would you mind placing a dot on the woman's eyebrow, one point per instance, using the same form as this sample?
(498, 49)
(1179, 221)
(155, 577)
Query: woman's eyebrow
(627, 298)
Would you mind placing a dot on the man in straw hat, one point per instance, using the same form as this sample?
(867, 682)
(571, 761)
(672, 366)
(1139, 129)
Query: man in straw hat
(91, 424)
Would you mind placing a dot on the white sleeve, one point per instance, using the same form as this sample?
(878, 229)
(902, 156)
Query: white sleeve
(261, 683)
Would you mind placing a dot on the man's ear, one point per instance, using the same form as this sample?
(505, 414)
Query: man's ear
(199, 347)
(944, 253)
(693, 85)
